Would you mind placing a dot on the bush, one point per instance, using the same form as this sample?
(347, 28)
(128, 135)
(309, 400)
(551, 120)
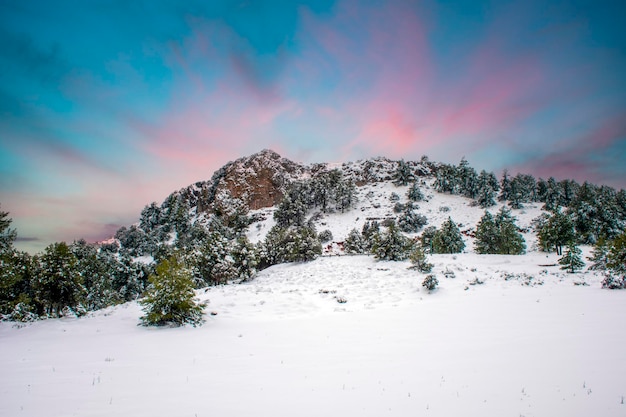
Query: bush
(326, 236)
(430, 282)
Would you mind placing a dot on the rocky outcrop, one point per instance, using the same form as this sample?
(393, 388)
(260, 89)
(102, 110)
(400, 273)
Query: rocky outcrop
(259, 180)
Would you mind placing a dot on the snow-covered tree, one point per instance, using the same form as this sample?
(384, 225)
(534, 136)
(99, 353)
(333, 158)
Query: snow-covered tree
(553, 195)
(391, 245)
(487, 239)
(354, 243)
(511, 241)
(426, 239)
(410, 221)
(403, 174)
(369, 231)
(430, 282)
(325, 236)
(7, 235)
(415, 193)
(599, 255)
(293, 244)
(557, 232)
(170, 299)
(572, 260)
(448, 238)
(487, 188)
(505, 186)
(57, 284)
(245, 258)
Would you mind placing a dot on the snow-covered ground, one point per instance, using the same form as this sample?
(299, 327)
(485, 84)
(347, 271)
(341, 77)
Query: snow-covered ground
(526, 342)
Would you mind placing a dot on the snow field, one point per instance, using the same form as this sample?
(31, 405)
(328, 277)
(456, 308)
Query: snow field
(283, 345)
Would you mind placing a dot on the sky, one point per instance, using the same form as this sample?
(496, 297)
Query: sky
(106, 106)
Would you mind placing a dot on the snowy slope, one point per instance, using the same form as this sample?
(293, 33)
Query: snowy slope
(525, 342)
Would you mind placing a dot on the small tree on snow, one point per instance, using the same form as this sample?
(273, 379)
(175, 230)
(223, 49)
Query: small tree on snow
(170, 298)
(448, 239)
(572, 260)
(419, 260)
(430, 282)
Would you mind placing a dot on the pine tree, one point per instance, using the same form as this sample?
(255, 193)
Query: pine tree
(410, 221)
(552, 195)
(171, 299)
(7, 235)
(599, 255)
(419, 259)
(505, 186)
(511, 242)
(430, 282)
(57, 284)
(391, 245)
(448, 239)
(426, 239)
(487, 188)
(556, 232)
(487, 241)
(572, 260)
(403, 174)
(415, 193)
(245, 258)
(354, 243)
(616, 258)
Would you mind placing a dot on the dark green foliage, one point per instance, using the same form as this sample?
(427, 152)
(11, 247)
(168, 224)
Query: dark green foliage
(430, 282)
(616, 258)
(354, 243)
(410, 221)
(369, 230)
(403, 174)
(419, 260)
(293, 244)
(415, 193)
(499, 235)
(552, 196)
(391, 245)
(572, 260)
(487, 189)
(426, 238)
(556, 232)
(448, 239)
(7, 235)
(57, 284)
(208, 265)
(170, 299)
(291, 211)
(245, 258)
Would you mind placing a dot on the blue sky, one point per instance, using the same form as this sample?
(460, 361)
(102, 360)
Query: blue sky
(106, 106)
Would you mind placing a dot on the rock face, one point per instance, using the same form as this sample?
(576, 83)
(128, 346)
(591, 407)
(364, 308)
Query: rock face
(260, 180)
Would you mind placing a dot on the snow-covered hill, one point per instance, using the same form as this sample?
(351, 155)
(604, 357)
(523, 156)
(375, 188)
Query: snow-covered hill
(342, 335)
(527, 341)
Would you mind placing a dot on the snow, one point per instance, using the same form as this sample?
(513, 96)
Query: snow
(282, 345)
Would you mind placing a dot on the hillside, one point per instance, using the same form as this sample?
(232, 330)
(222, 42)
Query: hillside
(342, 334)
(525, 342)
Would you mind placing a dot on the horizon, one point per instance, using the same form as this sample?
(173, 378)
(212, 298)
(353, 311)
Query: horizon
(106, 107)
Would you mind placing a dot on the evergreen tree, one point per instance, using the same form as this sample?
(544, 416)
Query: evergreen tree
(616, 258)
(419, 259)
(510, 241)
(487, 239)
(572, 260)
(293, 244)
(391, 245)
(7, 235)
(505, 186)
(215, 251)
(354, 243)
(427, 237)
(599, 255)
(410, 221)
(171, 299)
(552, 196)
(403, 174)
(446, 180)
(57, 284)
(556, 232)
(430, 282)
(290, 212)
(448, 239)
(415, 193)
(487, 188)
(369, 231)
